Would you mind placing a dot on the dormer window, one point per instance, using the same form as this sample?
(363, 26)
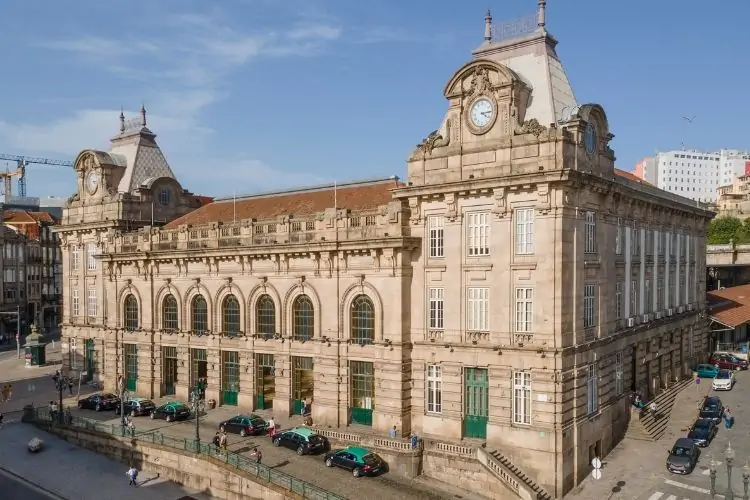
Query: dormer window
(164, 196)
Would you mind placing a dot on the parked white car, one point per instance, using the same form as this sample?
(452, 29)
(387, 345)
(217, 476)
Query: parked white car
(724, 381)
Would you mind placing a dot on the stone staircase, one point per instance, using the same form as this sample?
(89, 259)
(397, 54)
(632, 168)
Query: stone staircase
(536, 491)
(645, 427)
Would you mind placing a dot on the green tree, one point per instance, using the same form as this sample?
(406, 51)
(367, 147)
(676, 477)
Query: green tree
(722, 230)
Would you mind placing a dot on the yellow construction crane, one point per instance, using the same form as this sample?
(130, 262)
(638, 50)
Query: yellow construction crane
(7, 177)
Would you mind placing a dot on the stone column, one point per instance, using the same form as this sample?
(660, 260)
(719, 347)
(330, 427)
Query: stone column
(182, 388)
(282, 402)
(325, 409)
(112, 367)
(246, 397)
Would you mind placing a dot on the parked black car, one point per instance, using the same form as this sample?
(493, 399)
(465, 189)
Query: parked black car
(99, 402)
(171, 411)
(360, 461)
(137, 407)
(245, 425)
(302, 440)
(712, 408)
(683, 456)
(702, 432)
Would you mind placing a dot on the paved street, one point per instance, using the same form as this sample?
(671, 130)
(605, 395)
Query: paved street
(16, 489)
(635, 470)
(307, 468)
(74, 473)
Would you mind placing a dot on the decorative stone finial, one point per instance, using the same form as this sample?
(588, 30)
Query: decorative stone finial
(488, 26)
(541, 14)
(143, 115)
(122, 120)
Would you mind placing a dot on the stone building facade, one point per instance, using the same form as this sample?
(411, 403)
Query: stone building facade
(512, 290)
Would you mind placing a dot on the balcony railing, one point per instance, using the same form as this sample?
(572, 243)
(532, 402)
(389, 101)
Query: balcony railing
(485, 338)
(385, 223)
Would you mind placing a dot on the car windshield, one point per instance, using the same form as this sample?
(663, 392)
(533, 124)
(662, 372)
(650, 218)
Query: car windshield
(370, 459)
(146, 402)
(701, 425)
(108, 396)
(710, 406)
(723, 374)
(680, 451)
(314, 439)
(180, 407)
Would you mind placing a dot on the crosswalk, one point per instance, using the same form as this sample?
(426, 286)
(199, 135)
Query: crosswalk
(660, 495)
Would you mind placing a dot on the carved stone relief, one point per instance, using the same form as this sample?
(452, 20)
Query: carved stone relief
(450, 202)
(415, 211)
(500, 208)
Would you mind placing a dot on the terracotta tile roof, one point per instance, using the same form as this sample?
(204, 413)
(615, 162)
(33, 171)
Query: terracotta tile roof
(44, 217)
(630, 176)
(18, 217)
(730, 306)
(354, 196)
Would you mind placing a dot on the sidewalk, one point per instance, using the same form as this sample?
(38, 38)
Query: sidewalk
(76, 473)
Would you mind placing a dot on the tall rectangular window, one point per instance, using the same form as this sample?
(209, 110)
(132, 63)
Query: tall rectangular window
(633, 297)
(589, 306)
(436, 308)
(524, 231)
(619, 233)
(91, 302)
(619, 389)
(618, 299)
(524, 310)
(635, 240)
(671, 288)
(649, 242)
(647, 299)
(75, 303)
(434, 389)
(436, 225)
(521, 397)
(589, 232)
(592, 390)
(91, 252)
(478, 319)
(75, 257)
(478, 233)
(660, 294)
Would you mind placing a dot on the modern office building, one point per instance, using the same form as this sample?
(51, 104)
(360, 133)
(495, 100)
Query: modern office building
(693, 174)
(510, 290)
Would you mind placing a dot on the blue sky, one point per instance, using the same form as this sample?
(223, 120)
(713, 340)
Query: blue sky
(249, 95)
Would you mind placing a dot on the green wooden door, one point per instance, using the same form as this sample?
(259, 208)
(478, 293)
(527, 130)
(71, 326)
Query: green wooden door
(302, 382)
(90, 358)
(363, 392)
(265, 382)
(131, 367)
(230, 380)
(476, 396)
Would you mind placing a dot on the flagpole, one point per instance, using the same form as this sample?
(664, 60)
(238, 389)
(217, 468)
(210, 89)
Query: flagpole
(234, 206)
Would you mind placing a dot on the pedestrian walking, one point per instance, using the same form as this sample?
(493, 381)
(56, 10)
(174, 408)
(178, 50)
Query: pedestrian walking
(223, 441)
(70, 386)
(728, 419)
(4, 393)
(56, 377)
(393, 433)
(271, 427)
(10, 392)
(653, 409)
(132, 473)
(217, 441)
(257, 455)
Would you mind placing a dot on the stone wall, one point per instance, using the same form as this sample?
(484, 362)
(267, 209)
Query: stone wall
(465, 473)
(206, 474)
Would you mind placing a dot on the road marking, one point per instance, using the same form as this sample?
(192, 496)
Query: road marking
(656, 496)
(687, 486)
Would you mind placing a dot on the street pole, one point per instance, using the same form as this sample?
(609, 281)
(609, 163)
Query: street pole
(18, 331)
(122, 399)
(196, 396)
(60, 386)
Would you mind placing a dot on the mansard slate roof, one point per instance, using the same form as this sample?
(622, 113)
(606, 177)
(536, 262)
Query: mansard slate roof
(355, 196)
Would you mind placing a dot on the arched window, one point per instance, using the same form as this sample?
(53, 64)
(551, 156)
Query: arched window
(169, 313)
(362, 320)
(231, 315)
(303, 318)
(265, 315)
(130, 313)
(200, 314)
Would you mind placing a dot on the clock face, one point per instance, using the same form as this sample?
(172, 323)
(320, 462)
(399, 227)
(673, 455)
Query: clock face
(481, 112)
(589, 138)
(92, 181)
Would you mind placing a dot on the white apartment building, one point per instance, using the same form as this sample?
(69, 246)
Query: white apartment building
(692, 173)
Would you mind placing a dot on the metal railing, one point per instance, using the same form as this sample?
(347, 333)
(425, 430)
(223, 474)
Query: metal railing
(231, 459)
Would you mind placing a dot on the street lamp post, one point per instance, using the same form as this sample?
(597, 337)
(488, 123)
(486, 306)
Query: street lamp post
(729, 456)
(61, 382)
(745, 480)
(196, 400)
(121, 388)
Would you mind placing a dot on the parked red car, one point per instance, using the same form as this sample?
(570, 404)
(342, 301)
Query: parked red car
(728, 362)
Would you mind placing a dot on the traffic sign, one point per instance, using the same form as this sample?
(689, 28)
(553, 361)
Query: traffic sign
(597, 465)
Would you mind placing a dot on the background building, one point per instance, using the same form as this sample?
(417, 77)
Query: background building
(693, 174)
(512, 290)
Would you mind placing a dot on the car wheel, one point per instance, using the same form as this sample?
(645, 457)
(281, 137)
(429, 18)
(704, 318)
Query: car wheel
(80, 406)
(355, 472)
(737, 368)
(222, 428)
(277, 442)
(243, 433)
(153, 415)
(98, 408)
(300, 451)
(329, 463)
(169, 418)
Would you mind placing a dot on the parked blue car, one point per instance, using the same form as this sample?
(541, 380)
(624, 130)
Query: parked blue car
(707, 371)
